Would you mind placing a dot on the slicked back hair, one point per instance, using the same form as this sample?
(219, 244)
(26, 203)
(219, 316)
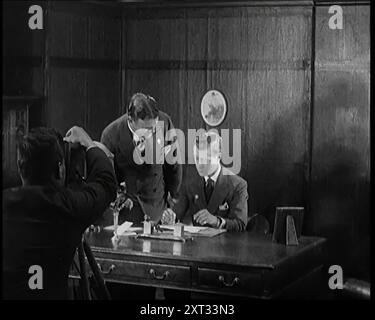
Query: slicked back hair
(142, 106)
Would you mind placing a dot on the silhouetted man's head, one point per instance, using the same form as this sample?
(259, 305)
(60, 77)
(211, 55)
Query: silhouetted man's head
(40, 157)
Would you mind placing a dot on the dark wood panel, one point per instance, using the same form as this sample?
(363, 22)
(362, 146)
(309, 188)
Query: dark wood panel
(277, 108)
(351, 45)
(22, 50)
(104, 38)
(103, 100)
(340, 193)
(79, 36)
(18, 38)
(67, 101)
(156, 39)
(60, 34)
(84, 61)
(196, 87)
(271, 185)
(272, 111)
(22, 78)
(85, 8)
(196, 36)
(260, 59)
(341, 144)
(278, 34)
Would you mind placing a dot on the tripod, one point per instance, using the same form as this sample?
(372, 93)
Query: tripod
(84, 250)
(73, 160)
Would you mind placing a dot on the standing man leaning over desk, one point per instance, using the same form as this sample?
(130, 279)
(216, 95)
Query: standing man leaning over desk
(212, 195)
(131, 134)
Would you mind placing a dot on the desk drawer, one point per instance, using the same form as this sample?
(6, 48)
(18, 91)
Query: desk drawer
(229, 281)
(117, 269)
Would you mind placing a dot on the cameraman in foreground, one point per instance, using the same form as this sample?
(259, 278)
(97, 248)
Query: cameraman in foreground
(43, 221)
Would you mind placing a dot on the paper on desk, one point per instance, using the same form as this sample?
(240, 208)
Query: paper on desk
(125, 234)
(194, 229)
(126, 227)
(190, 229)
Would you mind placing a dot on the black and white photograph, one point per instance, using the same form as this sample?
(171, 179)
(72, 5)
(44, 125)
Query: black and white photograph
(166, 153)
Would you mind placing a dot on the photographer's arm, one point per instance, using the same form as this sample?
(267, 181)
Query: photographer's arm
(89, 202)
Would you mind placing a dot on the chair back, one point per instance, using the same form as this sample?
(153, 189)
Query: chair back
(258, 224)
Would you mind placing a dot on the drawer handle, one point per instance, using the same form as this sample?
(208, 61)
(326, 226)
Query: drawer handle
(235, 281)
(161, 277)
(110, 269)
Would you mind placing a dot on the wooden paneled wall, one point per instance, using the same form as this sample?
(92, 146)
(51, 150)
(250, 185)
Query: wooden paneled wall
(83, 48)
(74, 62)
(340, 180)
(259, 58)
(299, 91)
(23, 51)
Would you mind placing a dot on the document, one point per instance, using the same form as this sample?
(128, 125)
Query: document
(124, 229)
(190, 229)
(194, 229)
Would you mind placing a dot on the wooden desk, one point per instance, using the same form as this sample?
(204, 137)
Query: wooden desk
(234, 264)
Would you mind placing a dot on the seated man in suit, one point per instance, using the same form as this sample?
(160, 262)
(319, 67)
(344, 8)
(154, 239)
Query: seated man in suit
(211, 195)
(43, 219)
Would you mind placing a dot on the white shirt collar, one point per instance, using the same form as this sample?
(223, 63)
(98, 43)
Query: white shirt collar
(135, 137)
(214, 176)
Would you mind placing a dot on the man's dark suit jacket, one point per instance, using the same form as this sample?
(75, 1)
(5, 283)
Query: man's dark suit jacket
(42, 225)
(151, 182)
(229, 189)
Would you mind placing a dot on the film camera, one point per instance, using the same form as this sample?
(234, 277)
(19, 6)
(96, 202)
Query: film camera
(75, 164)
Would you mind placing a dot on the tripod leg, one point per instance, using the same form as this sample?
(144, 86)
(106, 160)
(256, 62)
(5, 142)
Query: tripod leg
(97, 274)
(84, 278)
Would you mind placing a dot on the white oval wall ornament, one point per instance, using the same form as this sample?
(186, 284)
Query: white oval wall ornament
(213, 108)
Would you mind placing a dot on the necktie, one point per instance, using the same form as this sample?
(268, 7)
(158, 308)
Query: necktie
(209, 188)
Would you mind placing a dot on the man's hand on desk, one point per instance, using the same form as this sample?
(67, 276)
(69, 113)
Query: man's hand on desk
(168, 217)
(203, 217)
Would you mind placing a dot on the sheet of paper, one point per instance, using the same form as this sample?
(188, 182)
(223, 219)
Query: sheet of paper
(194, 229)
(125, 234)
(190, 229)
(168, 226)
(125, 227)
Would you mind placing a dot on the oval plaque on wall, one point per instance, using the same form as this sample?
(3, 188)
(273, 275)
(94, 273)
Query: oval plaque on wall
(213, 108)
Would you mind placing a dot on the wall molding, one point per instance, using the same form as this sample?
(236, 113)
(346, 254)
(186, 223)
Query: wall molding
(63, 62)
(241, 65)
(228, 3)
